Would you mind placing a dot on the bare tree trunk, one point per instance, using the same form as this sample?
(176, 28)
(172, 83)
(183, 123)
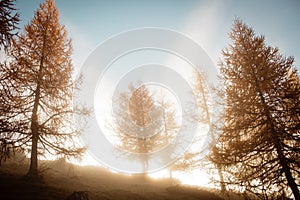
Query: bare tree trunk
(222, 183)
(276, 141)
(287, 170)
(33, 169)
(282, 159)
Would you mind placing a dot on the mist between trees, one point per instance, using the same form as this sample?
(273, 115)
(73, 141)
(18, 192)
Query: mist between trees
(256, 152)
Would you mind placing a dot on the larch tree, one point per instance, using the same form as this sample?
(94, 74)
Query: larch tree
(9, 20)
(260, 136)
(133, 106)
(40, 84)
(192, 158)
(210, 103)
(170, 126)
(139, 106)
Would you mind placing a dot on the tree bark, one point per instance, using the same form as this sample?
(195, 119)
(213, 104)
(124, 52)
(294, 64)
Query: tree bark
(222, 183)
(287, 170)
(33, 169)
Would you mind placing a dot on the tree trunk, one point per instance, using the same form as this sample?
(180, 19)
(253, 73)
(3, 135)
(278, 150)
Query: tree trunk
(222, 183)
(276, 141)
(33, 169)
(282, 159)
(287, 170)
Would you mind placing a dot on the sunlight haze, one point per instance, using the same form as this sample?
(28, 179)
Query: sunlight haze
(90, 23)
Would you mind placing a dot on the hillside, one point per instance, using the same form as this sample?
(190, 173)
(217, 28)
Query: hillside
(61, 179)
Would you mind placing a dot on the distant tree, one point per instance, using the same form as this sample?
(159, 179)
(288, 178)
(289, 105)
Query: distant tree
(139, 106)
(208, 102)
(168, 117)
(134, 106)
(192, 158)
(259, 144)
(39, 89)
(9, 20)
(170, 127)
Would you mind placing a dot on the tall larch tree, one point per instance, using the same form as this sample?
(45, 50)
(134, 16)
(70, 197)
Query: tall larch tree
(261, 133)
(41, 85)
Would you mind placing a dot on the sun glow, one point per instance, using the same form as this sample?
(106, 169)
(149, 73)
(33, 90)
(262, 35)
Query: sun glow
(123, 65)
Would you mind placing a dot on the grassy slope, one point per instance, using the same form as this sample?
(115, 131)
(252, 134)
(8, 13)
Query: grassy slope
(61, 179)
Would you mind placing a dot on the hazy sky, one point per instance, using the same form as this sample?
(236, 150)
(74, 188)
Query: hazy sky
(90, 22)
